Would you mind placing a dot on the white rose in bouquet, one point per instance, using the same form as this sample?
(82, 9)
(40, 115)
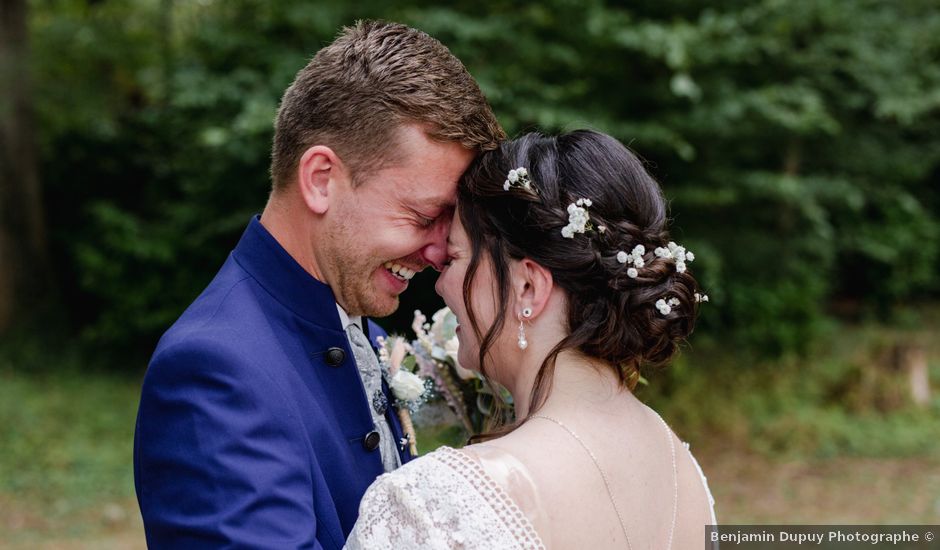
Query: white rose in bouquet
(407, 386)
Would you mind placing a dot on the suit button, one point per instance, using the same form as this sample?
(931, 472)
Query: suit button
(371, 441)
(335, 356)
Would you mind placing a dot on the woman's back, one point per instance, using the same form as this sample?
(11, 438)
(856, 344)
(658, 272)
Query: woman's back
(572, 505)
(538, 487)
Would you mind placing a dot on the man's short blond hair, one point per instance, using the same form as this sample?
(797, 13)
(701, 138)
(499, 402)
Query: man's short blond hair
(373, 78)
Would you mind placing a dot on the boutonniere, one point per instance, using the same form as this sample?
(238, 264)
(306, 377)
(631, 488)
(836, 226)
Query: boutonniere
(409, 389)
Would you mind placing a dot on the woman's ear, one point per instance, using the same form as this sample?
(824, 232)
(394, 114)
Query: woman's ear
(532, 285)
(318, 172)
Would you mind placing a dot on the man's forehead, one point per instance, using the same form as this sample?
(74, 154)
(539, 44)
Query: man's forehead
(431, 195)
(436, 202)
(428, 169)
(417, 189)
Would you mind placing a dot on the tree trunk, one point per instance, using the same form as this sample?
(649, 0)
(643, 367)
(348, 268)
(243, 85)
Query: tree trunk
(793, 158)
(912, 362)
(24, 260)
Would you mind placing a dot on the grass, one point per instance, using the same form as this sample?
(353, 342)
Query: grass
(785, 442)
(752, 488)
(66, 465)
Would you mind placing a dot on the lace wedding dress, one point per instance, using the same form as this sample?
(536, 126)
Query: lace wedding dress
(479, 497)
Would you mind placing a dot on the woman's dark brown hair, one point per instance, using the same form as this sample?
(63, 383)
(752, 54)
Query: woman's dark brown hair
(611, 316)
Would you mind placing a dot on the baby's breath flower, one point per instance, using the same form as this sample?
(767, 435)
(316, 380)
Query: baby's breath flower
(578, 219)
(635, 257)
(518, 177)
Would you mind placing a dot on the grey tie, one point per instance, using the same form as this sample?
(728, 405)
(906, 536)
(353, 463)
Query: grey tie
(371, 374)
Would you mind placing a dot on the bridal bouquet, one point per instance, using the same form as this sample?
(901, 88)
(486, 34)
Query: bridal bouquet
(427, 368)
(435, 354)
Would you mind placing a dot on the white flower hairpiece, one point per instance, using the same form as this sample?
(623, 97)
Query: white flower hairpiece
(635, 257)
(665, 307)
(518, 177)
(675, 252)
(579, 221)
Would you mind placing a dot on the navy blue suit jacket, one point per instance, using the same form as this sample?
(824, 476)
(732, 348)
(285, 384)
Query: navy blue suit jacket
(247, 436)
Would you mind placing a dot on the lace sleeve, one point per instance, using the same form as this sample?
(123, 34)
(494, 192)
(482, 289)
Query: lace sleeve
(442, 501)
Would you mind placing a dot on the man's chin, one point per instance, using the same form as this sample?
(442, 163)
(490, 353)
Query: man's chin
(382, 307)
(382, 299)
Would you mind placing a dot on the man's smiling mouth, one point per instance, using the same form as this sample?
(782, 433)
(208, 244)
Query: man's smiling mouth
(401, 272)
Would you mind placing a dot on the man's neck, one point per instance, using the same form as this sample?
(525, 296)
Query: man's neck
(291, 229)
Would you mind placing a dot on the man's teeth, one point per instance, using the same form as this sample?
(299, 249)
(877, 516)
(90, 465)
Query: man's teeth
(399, 271)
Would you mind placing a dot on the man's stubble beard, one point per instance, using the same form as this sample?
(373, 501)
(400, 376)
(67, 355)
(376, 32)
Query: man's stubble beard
(352, 269)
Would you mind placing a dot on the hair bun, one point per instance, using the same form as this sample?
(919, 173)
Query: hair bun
(613, 259)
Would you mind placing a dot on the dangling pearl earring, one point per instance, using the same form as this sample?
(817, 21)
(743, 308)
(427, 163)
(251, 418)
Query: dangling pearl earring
(523, 343)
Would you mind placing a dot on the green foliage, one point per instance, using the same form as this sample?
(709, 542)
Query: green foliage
(798, 141)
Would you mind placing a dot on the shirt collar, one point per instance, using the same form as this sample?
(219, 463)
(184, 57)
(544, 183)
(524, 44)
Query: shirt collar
(346, 320)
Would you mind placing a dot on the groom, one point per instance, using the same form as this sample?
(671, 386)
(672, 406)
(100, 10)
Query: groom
(263, 415)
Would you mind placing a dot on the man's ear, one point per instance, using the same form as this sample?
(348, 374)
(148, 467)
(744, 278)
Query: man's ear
(532, 285)
(318, 173)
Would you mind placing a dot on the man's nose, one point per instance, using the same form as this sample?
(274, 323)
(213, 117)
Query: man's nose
(435, 252)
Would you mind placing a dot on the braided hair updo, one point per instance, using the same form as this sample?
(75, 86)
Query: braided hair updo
(612, 316)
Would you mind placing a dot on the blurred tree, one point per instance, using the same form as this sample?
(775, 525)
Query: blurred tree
(24, 260)
(798, 141)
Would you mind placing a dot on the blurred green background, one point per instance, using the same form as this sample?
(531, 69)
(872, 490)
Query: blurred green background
(797, 141)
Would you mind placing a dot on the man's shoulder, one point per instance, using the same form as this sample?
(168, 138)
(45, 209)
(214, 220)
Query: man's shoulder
(211, 314)
(235, 323)
(220, 325)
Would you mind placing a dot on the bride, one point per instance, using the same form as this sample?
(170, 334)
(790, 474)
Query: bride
(564, 281)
